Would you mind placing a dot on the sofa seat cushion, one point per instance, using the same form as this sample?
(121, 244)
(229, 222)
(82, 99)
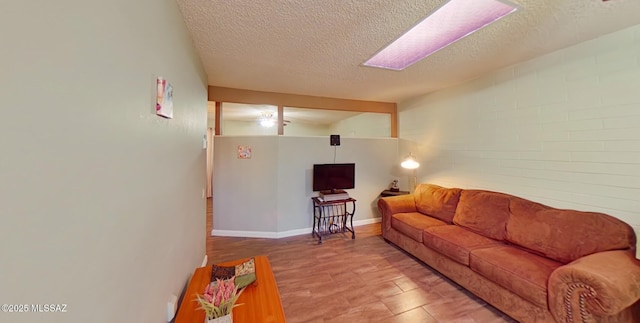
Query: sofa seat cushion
(413, 223)
(565, 235)
(437, 201)
(455, 242)
(483, 212)
(523, 273)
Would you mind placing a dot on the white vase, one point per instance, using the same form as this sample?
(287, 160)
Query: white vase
(222, 319)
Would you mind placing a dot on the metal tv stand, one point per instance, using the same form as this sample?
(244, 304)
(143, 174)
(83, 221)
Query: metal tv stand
(333, 217)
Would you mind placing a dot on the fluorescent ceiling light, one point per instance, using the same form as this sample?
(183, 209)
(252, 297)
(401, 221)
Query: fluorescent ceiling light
(451, 22)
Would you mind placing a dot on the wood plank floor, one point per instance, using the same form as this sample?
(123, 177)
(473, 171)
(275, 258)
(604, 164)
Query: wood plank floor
(361, 280)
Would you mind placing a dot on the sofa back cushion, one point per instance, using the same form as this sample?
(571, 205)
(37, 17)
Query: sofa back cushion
(483, 212)
(437, 201)
(565, 235)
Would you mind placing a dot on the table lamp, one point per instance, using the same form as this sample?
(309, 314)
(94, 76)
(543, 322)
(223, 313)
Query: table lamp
(410, 162)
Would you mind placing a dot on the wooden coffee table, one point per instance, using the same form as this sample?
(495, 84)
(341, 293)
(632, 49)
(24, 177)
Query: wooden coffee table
(260, 301)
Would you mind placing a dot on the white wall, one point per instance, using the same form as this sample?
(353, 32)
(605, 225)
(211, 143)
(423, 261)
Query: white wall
(270, 194)
(298, 129)
(367, 125)
(562, 129)
(100, 200)
(244, 189)
(246, 128)
(364, 125)
(253, 128)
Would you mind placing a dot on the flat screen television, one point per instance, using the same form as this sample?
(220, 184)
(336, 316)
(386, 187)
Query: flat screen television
(333, 177)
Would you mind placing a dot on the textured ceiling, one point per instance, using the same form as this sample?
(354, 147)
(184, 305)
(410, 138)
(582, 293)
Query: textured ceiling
(317, 47)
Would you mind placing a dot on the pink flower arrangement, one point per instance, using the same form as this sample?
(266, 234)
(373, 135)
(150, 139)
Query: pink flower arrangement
(219, 298)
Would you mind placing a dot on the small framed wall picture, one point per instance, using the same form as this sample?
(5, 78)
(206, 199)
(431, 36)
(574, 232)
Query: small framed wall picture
(164, 98)
(244, 152)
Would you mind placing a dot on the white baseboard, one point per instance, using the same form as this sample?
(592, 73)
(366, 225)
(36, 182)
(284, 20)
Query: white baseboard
(367, 221)
(244, 234)
(276, 235)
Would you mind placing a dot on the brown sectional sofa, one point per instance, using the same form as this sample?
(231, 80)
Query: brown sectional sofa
(533, 262)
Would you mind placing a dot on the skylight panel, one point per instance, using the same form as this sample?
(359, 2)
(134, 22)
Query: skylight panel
(453, 21)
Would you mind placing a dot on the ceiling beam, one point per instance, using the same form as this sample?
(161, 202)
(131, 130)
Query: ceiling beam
(225, 94)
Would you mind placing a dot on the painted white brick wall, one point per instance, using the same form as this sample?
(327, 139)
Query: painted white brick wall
(562, 129)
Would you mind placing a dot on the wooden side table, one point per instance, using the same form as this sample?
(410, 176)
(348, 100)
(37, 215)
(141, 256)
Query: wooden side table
(392, 193)
(260, 301)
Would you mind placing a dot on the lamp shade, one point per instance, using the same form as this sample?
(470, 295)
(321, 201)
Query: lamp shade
(410, 162)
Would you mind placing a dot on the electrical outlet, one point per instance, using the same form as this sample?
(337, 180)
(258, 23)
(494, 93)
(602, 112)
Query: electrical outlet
(172, 307)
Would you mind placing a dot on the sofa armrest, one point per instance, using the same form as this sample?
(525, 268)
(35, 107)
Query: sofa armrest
(391, 205)
(598, 285)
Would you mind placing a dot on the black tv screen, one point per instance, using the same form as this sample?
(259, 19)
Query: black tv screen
(331, 177)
